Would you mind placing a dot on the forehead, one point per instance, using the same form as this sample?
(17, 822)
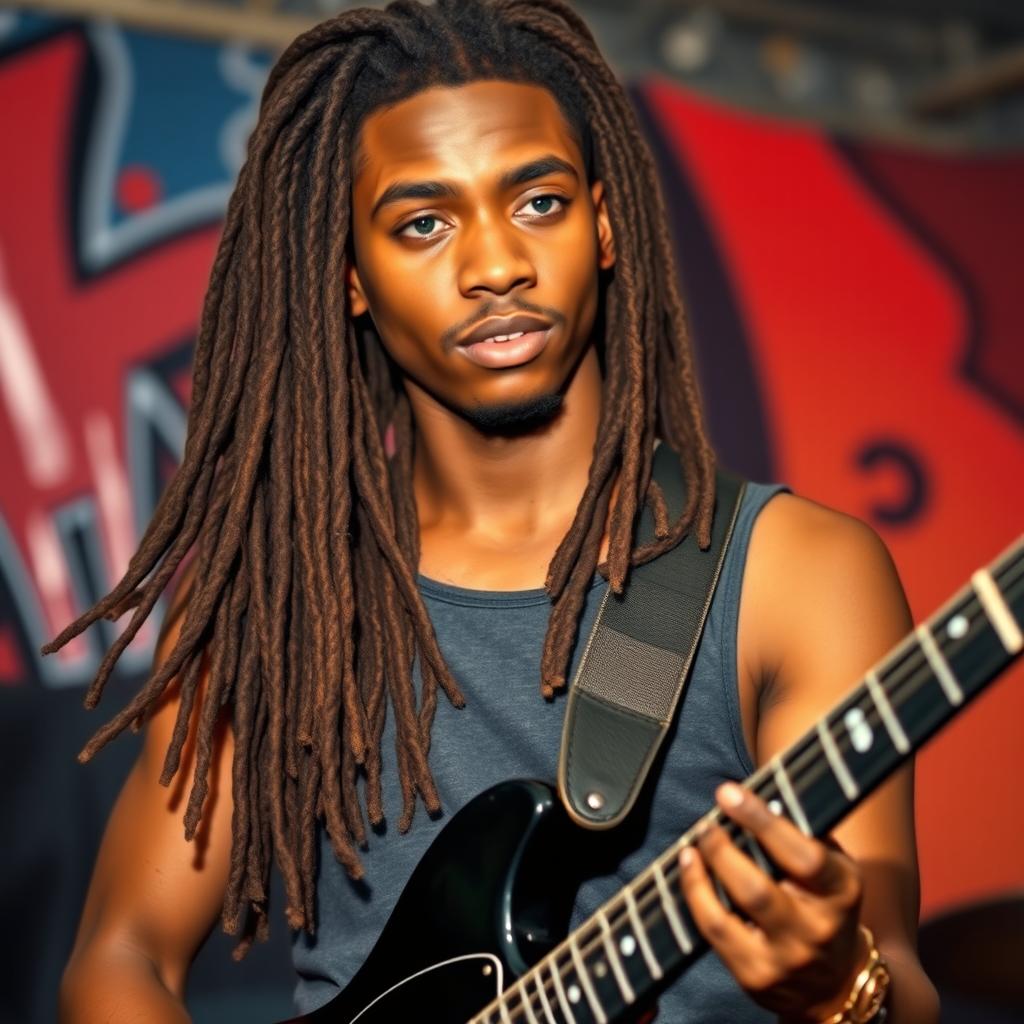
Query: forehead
(458, 131)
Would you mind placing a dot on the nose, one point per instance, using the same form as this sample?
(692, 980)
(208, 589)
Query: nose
(493, 259)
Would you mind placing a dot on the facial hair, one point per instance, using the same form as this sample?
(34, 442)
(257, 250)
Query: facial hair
(513, 419)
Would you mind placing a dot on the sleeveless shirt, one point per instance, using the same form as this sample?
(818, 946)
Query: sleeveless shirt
(492, 643)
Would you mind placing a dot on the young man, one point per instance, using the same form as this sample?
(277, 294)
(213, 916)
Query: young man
(449, 238)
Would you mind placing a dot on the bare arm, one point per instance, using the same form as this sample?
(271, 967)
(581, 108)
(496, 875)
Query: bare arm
(837, 611)
(821, 604)
(153, 897)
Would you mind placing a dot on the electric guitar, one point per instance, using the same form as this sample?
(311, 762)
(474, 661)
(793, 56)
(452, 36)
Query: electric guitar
(478, 935)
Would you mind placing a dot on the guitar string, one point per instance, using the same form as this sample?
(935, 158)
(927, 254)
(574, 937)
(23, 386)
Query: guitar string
(619, 915)
(594, 942)
(805, 749)
(650, 899)
(900, 690)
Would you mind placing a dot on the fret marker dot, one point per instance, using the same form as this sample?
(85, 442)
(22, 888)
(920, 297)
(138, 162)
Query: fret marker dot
(859, 730)
(627, 945)
(574, 993)
(775, 806)
(957, 626)
(600, 969)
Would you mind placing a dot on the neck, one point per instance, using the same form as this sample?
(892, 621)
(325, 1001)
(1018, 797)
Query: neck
(505, 487)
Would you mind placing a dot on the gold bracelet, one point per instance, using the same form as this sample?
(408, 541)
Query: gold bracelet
(869, 988)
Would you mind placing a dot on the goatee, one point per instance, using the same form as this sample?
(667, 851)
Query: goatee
(512, 419)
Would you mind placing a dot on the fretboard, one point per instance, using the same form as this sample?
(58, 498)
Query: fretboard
(644, 937)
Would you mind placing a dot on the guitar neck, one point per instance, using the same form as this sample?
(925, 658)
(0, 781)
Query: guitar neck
(644, 937)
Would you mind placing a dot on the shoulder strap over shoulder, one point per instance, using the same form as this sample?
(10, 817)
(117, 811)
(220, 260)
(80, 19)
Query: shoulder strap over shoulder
(637, 660)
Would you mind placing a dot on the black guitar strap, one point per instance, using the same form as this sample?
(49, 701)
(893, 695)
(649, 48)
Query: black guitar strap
(637, 659)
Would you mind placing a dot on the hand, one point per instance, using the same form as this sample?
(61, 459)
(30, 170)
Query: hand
(801, 950)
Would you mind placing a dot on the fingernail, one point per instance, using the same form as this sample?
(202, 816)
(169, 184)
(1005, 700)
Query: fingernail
(730, 794)
(686, 857)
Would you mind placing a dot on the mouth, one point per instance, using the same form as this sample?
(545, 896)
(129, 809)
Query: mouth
(507, 351)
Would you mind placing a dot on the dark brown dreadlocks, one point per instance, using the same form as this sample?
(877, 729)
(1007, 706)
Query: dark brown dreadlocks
(304, 530)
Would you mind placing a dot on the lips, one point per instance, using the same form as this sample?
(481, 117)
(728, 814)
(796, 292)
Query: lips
(504, 325)
(531, 337)
(503, 355)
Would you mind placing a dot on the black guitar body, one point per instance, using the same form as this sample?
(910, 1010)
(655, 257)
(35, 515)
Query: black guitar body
(493, 894)
(490, 897)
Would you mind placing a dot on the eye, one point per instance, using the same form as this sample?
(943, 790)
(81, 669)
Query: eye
(421, 226)
(416, 223)
(548, 200)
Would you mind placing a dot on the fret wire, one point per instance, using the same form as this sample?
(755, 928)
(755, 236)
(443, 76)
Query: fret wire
(912, 676)
(555, 967)
(584, 980)
(839, 769)
(900, 689)
(799, 751)
(612, 955)
(539, 985)
(671, 911)
(789, 795)
(641, 935)
(503, 1006)
(964, 602)
(911, 679)
(939, 665)
(524, 1001)
(894, 664)
(1016, 563)
(909, 682)
(998, 612)
(882, 691)
(563, 1001)
(886, 713)
(537, 972)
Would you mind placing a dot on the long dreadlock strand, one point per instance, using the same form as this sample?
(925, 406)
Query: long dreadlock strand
(295, 493)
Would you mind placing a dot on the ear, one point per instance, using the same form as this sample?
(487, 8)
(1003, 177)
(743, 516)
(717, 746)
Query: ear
(605, 237)
(357, 303)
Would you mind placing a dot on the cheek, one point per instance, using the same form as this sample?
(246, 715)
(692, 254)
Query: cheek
(409, 326)
(400, 307)
(581, 286)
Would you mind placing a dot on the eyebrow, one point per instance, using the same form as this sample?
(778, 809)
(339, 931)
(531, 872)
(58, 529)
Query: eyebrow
(399, 190)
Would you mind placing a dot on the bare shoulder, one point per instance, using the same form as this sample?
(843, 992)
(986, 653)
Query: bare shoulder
(822, 599)
(795, 530)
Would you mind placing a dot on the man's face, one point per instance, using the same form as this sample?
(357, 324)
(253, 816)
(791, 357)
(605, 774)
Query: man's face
(490, 239)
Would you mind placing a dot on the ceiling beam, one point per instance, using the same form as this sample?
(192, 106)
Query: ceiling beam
(204, 19)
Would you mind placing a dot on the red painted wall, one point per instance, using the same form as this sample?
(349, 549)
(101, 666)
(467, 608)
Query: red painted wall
(880, 292)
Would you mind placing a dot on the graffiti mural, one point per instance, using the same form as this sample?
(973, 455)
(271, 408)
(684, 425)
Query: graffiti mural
(854, 307)
(865, 300)
(128, 147)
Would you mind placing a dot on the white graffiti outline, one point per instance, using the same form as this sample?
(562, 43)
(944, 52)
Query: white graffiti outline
(104, 243)
(246, 76)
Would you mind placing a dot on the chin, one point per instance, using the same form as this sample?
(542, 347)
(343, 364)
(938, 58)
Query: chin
(512, 419)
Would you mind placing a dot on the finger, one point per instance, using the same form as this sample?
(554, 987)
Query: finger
(748, 887)
(737, 944)
(802, 857)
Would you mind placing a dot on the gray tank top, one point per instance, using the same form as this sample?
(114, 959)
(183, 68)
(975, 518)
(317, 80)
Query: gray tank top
(492, 642)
